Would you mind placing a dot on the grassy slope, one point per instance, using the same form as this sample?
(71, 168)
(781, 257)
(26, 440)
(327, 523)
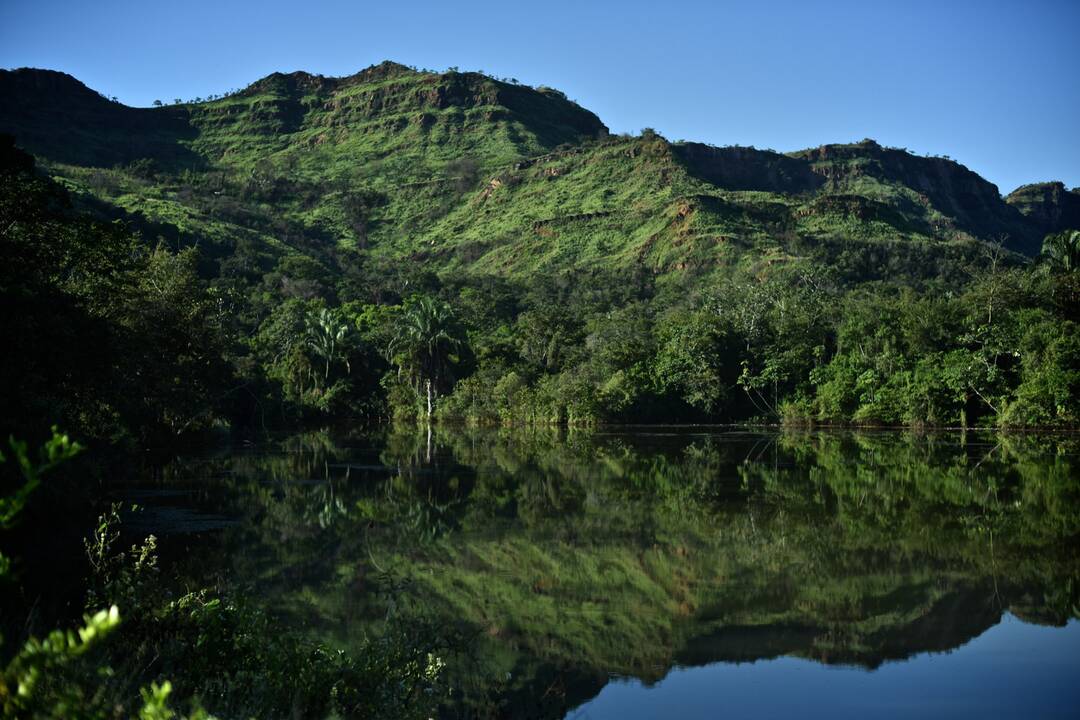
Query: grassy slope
(541, 186)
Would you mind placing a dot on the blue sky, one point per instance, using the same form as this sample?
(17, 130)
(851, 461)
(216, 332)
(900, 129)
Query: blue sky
(991, 83)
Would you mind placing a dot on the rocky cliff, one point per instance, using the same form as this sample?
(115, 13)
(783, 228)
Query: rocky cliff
(1048, 206)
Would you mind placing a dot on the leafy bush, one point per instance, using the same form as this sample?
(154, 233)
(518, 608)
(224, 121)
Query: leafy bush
(198, 650)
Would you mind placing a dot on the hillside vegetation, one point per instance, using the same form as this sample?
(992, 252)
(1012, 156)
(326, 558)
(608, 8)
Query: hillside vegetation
(413, 243)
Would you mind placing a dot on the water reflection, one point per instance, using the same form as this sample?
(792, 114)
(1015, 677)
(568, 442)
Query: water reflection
(1014, 670)
(563, 559)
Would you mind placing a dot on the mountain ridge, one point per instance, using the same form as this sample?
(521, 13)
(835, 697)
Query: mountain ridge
(427, 149)
(303, 80)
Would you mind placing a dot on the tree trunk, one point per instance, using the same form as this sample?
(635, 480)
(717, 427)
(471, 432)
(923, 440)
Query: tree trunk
(429, 400)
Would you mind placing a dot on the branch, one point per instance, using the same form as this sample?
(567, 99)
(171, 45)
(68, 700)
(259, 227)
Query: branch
(983, 398)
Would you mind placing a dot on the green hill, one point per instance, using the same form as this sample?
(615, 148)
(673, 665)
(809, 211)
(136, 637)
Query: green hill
(463, 171)
(579, 276)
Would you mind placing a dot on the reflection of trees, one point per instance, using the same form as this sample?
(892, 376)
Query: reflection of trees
(574, 554)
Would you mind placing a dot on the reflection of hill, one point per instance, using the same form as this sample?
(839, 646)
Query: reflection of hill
(949, 623)
(569, 559)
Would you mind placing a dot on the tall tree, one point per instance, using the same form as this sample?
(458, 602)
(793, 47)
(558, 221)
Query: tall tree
(425, 340)
(327, 336)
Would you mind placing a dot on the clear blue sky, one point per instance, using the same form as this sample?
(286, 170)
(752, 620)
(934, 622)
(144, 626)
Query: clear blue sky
(994, 84)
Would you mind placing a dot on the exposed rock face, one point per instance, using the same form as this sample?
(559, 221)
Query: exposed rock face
(972, 202)
(301, 82)
(832, 173)
(287, 103)
(295, 83)
(743, 168)
(1049, 206)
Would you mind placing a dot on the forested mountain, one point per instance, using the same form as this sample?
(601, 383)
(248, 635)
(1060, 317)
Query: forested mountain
(409, 242)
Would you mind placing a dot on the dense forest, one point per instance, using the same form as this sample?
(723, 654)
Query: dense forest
(453, 250)
(407, 244)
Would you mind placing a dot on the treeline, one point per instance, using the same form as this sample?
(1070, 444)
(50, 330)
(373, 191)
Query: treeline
(103, 332)
(124, 335)
(794, 343)
(793, 346)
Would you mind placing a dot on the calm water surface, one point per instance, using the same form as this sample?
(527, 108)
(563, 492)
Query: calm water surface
(1013, 670)
(662, 573)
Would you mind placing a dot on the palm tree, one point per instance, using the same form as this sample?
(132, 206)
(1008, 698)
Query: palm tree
(1062, 251)
(423, 343)
(327, 336)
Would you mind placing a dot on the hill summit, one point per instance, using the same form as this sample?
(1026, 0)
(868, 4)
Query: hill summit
(464, 171)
